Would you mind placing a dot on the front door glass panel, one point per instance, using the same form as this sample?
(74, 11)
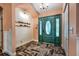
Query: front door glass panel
(57, 27)
(48, 27)
(40, 27)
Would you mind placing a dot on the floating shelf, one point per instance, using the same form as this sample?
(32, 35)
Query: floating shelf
(22, 24)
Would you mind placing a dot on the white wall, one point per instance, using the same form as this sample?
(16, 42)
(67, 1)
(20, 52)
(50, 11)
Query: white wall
(7, 42)
(24, 34)
(65, 15)
(77, 45)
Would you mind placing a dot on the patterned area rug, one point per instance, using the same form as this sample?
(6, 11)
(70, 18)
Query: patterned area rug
(33, 49)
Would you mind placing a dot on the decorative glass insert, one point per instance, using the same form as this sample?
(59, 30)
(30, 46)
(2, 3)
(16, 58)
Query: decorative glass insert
(40, 27)
(48, 27)
(57, 27)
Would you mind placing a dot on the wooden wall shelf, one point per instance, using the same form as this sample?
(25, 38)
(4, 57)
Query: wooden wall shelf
(22, 24)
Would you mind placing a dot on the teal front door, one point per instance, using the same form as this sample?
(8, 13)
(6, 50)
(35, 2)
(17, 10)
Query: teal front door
(50, 29)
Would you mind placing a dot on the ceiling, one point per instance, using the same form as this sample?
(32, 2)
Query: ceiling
(51, 6)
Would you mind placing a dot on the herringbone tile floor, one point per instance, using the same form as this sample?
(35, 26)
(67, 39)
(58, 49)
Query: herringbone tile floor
(33, 49)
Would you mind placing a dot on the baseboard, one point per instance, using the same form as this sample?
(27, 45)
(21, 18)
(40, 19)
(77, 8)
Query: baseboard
(26, 42)
(35, 40)
(9, 53)
(23, 43)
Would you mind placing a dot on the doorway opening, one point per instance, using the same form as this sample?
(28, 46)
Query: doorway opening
(1, 28)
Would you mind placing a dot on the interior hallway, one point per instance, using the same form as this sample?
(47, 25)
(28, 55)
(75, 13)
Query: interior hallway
(27, 29)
